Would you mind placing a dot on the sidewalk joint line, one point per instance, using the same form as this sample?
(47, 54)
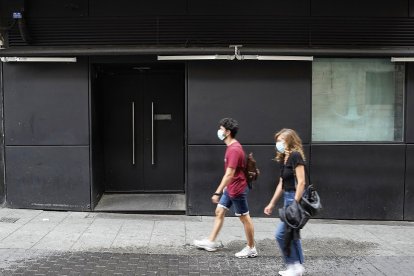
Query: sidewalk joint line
(57, 224)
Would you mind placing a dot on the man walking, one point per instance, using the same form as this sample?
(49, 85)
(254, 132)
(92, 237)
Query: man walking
(232, 191)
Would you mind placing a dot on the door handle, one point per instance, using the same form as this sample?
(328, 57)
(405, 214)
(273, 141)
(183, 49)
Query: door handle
(152, 134)
(133, 133)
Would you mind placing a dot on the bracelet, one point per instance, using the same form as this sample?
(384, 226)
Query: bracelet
(217, 194)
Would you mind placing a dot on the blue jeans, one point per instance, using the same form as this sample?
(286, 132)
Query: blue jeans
(296, 253)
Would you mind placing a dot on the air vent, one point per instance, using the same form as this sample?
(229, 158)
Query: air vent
(168, 30)
(219, 30)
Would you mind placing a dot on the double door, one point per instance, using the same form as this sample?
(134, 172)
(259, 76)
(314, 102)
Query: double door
(144, 130)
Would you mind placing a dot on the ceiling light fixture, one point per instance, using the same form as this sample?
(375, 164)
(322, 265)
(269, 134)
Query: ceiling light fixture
(237, 56)
(38, 59)
(200, 57)
(402, 59)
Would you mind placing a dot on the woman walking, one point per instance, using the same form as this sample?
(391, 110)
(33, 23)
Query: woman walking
(291, 184)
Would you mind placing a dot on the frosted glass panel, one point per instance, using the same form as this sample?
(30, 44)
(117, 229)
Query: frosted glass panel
(357, 100)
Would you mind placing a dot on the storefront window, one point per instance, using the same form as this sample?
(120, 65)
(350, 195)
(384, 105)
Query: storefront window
(357, 100)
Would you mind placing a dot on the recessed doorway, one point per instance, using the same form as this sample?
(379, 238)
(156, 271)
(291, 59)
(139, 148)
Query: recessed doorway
(139, 113)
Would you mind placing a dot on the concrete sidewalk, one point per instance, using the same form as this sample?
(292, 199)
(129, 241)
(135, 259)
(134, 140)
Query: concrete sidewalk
(37, 232)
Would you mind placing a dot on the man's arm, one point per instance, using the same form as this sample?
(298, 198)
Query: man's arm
(228, 175)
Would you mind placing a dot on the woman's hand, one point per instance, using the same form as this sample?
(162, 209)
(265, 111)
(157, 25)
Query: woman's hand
(278, 192)
(268, 209)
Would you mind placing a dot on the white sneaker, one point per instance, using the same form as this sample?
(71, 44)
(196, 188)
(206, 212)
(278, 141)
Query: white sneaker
(296, 269)
(206, 244)
(288, 272)
(247, 252)
(299, 269)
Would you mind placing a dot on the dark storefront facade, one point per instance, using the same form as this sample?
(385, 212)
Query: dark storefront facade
(119, 120)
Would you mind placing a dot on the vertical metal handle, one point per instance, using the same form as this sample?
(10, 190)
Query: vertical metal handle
(152, 134)
(133, 133)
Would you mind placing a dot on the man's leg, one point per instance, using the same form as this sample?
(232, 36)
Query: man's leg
(242, 211)
(250, 250)
(209, 243)
(248, 229)
(218, 222)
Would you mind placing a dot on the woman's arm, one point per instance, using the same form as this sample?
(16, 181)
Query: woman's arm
(300, 177)
(278, 192)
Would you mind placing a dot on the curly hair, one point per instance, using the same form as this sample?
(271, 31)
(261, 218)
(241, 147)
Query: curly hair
(292, 143)
(230, 124)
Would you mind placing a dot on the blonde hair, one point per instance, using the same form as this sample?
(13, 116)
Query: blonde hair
(292, 143)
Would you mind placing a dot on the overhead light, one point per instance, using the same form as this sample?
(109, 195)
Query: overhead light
(237, 56)
(200, 57)
(38, 59)
(297, 58)
(402, 59)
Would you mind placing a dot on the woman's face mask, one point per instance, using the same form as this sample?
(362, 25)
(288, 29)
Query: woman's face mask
(280, 146)
(221, 134)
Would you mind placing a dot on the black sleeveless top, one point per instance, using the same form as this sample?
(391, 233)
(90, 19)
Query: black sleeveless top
(287, 170)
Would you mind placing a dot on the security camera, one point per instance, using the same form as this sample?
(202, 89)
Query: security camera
(21, 22)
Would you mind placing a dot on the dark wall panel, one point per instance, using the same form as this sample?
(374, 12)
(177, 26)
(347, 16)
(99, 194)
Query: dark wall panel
(2, 163)
(409, 185)
(263, 96)
(136, 7)
(44, 8)
(360, 181)
(206, 168)
(411, 8)
(349, 8)
(48, 177)
(56, 8)
(246, 7)
(409, 134)
(46, 104)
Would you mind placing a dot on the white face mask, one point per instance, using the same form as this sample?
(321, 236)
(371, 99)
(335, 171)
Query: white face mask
(280, 146)
(221, 134)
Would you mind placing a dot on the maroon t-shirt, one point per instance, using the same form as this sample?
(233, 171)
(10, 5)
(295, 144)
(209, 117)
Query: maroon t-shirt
(235, 159)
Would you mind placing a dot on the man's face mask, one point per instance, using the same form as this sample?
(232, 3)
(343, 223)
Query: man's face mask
(221, 134)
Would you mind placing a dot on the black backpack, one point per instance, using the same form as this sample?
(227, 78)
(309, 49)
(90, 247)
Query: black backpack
(251, 171)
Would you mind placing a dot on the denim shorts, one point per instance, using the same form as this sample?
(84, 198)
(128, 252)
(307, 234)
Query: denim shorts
(239, 203)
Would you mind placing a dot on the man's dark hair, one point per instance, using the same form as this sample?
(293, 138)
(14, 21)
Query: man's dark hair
(230, 124)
